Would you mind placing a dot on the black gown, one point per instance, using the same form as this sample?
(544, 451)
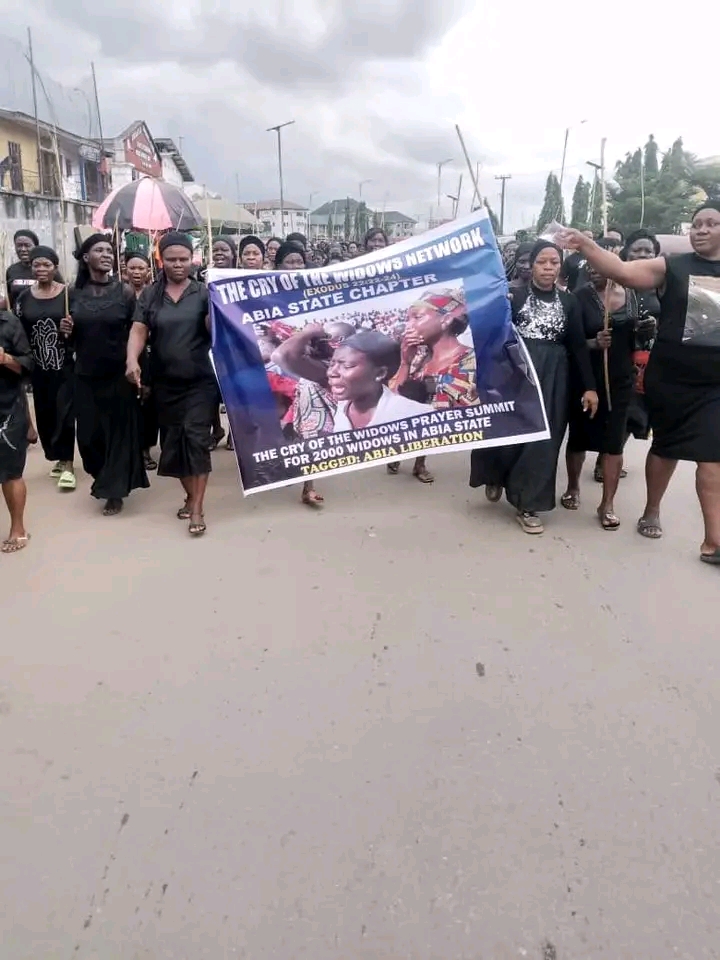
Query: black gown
(607, 431)
(682, 379)
(52, 376)
(551, 327)
(183, 380)
(107, 410)
(13, 409)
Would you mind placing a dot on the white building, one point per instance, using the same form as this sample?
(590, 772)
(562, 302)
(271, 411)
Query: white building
(267, 215)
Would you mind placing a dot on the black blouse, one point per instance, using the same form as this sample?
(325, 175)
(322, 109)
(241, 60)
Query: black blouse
(102, 314)
(178, 334)
(14, 342)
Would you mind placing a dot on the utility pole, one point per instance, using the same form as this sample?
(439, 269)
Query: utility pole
(440, 165)
(503, 177)
(277, 130)
(35, 109)
(104, 179)
(603, 186)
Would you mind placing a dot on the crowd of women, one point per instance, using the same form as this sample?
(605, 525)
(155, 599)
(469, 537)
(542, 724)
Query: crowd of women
(624, 342)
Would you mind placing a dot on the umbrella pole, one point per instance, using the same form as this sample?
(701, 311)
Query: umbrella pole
(151, 256)
(209, 227)
(116, 236)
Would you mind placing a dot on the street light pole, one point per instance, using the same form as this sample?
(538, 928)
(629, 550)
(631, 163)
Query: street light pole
(440, 165)
(277, 130)
(503, 177)
(564, 158)
(360, 186)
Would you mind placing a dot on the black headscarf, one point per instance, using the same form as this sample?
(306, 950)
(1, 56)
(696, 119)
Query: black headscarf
(255, 241)
(175, 239)
(135, 255)
(286, 248)
(26, 233)
(88, 244)
(522, 248)
(541, 245)
(44, 253)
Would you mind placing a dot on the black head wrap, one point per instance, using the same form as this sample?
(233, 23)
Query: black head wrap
(520, 250)
(541, 245)
(135, 255)
(711, 203)
(175, 239)
(229, 242)
(255, 241)
(88, 244)
(44, 253)
(26, 233)
(287, 248)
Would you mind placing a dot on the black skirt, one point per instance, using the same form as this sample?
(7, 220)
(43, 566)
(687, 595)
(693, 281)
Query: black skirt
(528, 471)
(13, 440)
(108, 435)
(54, 412)
(683, 401)
(186, 409)
(608, 429)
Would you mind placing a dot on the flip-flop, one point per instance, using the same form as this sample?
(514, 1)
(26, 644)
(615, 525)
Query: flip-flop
(393, 469)
(646, 526)
(312, 499)
(713, 557)
(423, 475)
(571, 501)
(67, 480)
(14, 544)
(608, 521)
(56, 472)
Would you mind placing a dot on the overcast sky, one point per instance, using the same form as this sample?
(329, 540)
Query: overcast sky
(376, 86)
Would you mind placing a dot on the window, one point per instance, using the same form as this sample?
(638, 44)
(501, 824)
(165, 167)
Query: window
(68, 168)
(16, 171)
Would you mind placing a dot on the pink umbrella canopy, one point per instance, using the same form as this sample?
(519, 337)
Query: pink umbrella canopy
(147, 204)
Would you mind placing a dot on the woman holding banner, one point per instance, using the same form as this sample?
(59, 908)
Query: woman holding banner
(550, 324)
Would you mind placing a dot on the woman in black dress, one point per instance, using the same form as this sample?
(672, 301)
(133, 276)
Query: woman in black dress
(137, 275)
(18, 276)
(42, 308)
(606, 433)
(642, 245)
(172, 315)
(682, 381)
(107, 411)
(550, 325)
(15, 363)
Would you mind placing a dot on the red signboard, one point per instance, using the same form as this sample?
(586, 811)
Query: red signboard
(140, 151)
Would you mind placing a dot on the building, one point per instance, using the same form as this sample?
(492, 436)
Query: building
(349, 219)
(267, 215)
(29, 160)
(135, 154)
(397, 225)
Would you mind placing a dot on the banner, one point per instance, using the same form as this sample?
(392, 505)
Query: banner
(407, 351)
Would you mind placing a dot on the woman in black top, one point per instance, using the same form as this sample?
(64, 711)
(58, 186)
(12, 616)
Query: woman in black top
(550, 325)
(15, 362)
(18, 276)
(682, 381)
(606, 433)
(172, 315)
(42, 308)
(642, 245)
(107, 411)
(137, 276)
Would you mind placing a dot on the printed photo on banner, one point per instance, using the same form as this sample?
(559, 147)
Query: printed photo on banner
(405, 352)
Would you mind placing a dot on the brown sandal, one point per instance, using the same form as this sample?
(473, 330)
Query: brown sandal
(196, 529)
(423, 474)
(184, 512)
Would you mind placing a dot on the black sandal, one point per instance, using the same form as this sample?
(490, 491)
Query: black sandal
(196, 529)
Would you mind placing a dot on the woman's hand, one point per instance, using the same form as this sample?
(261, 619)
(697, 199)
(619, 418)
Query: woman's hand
(132, 373)
(66, 326)
(604, 339)
(590, 402)
(409, 346)
(570, 239)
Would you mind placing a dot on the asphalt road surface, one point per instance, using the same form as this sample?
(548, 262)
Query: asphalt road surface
(399, 728)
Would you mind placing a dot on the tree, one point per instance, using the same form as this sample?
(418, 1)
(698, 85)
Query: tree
(363, 220)
(347, 224)
(330, 226)
(553, 205)
(596, 217)
(377, 218)
(580, 204)
(494, 222)
(651, 155)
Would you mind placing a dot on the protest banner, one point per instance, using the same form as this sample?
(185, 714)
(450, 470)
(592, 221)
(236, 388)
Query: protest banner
(407, 351)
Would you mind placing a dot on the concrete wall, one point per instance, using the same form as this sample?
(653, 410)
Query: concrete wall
(43, 216)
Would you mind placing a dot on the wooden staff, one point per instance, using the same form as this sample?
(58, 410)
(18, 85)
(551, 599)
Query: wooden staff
(473, 175)
(116, 236)
(151, 254)
(606, 352)
(209, 227)
(61, 190)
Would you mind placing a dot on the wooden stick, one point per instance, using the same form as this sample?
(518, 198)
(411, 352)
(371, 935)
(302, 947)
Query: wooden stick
(116, 235)
(473, 176)
(61, 190)
(209, 227)
(606, 353)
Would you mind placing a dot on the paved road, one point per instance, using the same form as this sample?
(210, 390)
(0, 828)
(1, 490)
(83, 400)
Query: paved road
(275, 742)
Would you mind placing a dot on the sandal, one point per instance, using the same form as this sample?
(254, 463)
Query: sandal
(149, 462)
(184, 512)
(713, 557)
(56, 472)
(393, 468)
(530, 522)
(423, 474)
(650, 527)
(113, 507)
(67, 480)
(15, 544)
(197, 529)
(608, 520)
(571, 501)
(493, 491)
(311, 498)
